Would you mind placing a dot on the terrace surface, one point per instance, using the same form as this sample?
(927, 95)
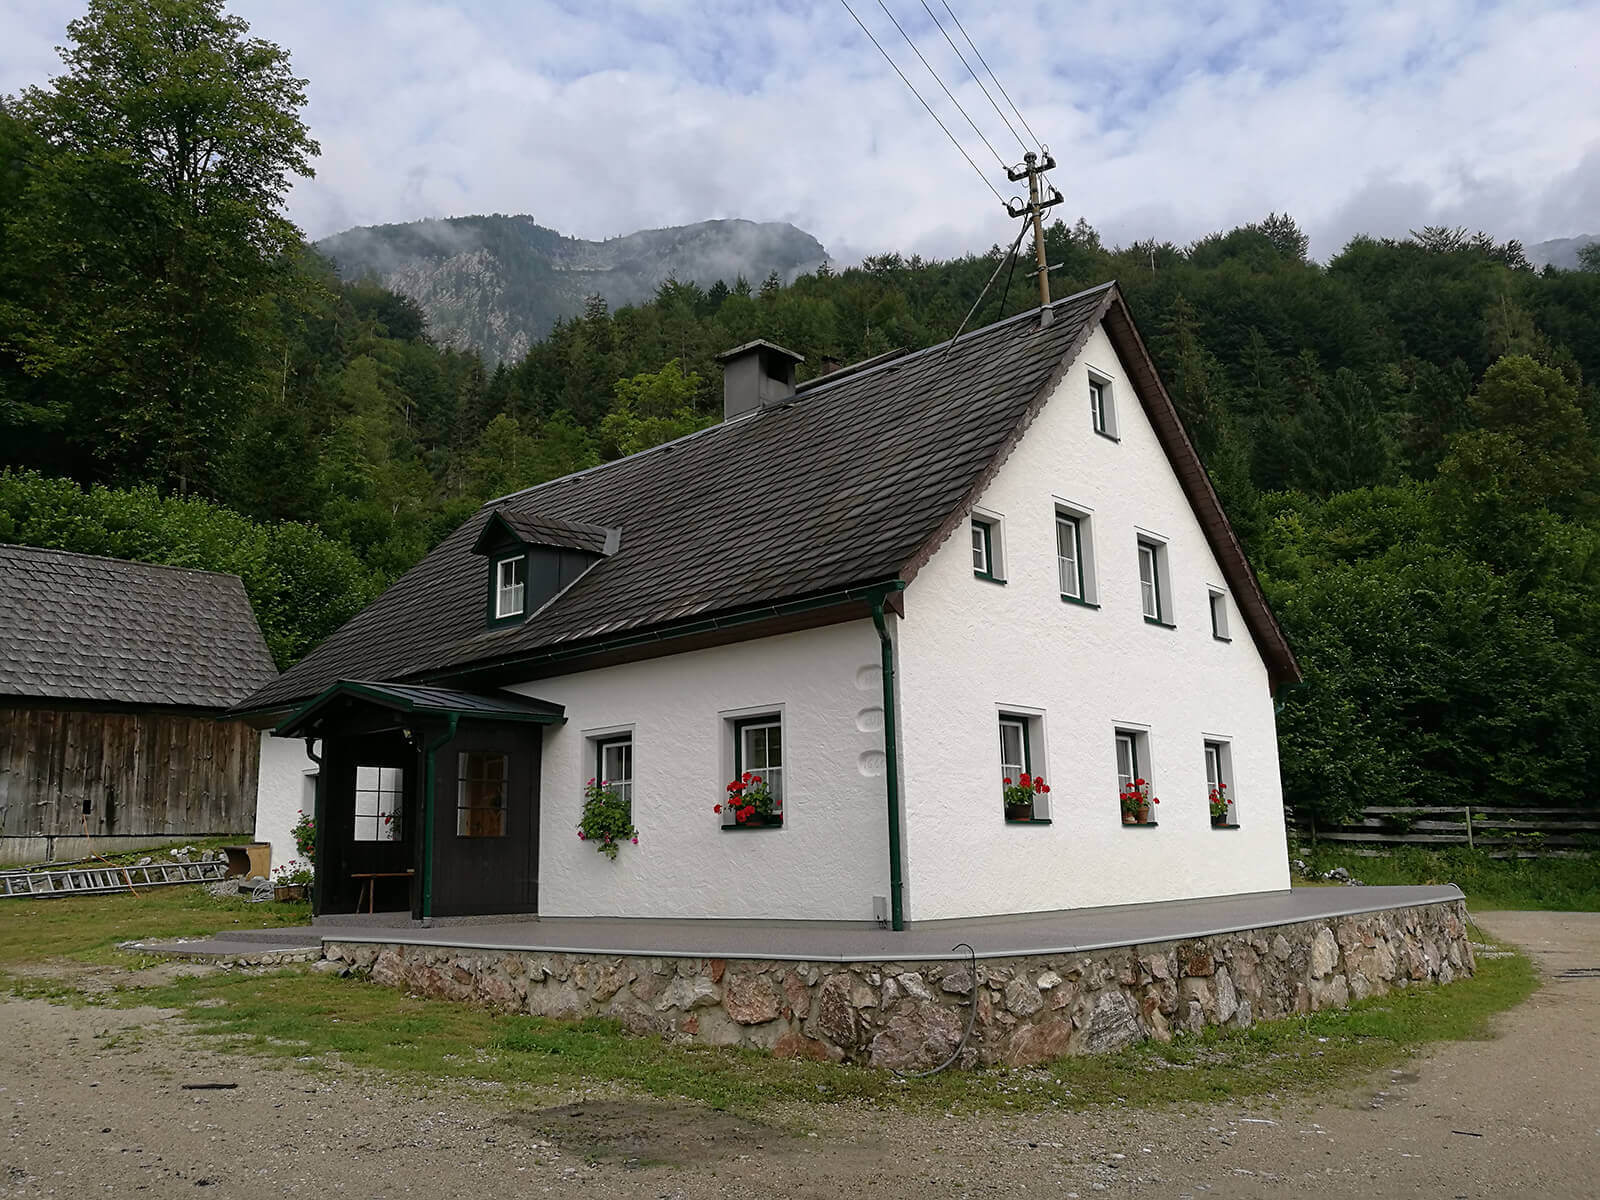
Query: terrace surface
(1069, 932)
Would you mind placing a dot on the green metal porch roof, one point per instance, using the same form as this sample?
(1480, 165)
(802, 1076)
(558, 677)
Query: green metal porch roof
(426, 701)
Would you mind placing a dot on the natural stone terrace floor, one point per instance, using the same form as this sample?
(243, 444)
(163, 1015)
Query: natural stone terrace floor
(1068, 932)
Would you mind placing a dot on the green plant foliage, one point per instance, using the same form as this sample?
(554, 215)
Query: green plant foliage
(607, 820)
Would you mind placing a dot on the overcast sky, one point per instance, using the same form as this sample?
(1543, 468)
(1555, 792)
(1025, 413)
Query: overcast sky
(1168, 119)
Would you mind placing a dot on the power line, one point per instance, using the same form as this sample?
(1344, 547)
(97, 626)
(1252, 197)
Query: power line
(893, 19)
(990, 69)
(924, 103)
(974, 75)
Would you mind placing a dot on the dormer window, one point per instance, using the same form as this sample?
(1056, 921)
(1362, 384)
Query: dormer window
(511, 586)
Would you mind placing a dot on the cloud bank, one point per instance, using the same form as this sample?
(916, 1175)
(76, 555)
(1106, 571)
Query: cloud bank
(1169, 120)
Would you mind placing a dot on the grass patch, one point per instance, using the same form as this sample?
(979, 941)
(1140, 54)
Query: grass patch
(292, 1014)
(321, 1019)
(88, 928)
(1554, 884)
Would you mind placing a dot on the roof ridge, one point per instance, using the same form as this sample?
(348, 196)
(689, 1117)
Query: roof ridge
(126, 562)
(814, 388)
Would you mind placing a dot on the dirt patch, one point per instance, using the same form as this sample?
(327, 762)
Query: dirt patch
(94, 1097)
(636, 1135)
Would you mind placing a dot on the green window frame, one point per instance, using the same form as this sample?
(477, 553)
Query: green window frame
(983, 548)
(758, 747)
(379, 803)
(1127, 759)
(1150, 582)
(1219, 616)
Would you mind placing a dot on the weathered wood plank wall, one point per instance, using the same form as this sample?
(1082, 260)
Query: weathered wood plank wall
(143, 773)
(1503, 832)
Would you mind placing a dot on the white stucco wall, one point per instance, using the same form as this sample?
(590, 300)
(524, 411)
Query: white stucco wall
(831, 856)
(282, 790)
(969, 648)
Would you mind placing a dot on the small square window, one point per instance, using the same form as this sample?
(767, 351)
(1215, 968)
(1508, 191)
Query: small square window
(511, 581)
(1219, 785)
(1102, 408)
(1219, 616)
(482, 780)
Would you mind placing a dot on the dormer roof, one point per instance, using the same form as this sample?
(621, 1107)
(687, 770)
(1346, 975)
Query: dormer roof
(506, 525)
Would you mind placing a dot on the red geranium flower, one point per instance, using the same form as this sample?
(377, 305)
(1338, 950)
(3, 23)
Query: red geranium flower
(717, 808)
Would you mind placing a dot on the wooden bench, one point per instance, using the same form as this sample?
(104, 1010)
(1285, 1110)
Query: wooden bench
(369, 886)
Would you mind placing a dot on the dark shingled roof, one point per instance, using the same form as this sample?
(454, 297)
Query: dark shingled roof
(104, 630)
(848, 483)
(541, 529)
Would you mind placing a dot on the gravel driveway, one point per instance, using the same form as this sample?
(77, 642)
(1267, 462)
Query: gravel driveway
(94, 1104)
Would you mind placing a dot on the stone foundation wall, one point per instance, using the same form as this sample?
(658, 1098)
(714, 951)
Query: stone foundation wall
(910, 1016)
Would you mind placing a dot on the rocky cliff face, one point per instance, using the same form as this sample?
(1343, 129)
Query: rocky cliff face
(498, 283)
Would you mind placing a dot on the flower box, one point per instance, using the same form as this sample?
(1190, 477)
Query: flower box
(1019, 799)
(752, 804)
(289, 891)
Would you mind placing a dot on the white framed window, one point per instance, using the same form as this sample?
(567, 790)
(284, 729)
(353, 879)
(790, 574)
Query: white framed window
(1219, 615)
(380, 801)
(988, 547)
(1022, 752)
(1155, 586)
(511, 586)
(759, 751)
(1219, 782)
(1075, 573)
(1015, 757)
(1102, 406)
(1134, 766)
(613, 765)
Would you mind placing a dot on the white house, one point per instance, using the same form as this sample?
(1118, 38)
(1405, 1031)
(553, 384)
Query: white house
(884, 591)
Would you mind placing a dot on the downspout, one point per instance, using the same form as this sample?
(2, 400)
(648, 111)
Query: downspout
(427, 813)
(317, 804)
(891, 761)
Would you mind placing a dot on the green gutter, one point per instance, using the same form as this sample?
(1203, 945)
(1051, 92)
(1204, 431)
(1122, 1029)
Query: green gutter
(428, 791)
(891, 759)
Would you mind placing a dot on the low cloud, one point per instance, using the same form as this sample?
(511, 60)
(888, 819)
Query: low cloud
(1169, 120)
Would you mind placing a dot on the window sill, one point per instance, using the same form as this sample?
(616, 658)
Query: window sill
(1217, 637)
(1140, 824)
(1079, 603)
(750, 828)
(1110, 437)
(1157, 621)
(1027, 820)
(1230, 825)
(989, 578)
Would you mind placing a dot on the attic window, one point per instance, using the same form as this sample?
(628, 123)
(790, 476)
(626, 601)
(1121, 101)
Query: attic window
(511, 585)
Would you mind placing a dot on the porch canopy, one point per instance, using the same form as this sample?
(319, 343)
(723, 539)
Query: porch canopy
(427, 797)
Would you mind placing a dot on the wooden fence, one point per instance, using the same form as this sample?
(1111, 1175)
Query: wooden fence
(1502, 832)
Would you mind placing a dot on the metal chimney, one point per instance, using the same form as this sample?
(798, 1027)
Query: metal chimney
(755, 374)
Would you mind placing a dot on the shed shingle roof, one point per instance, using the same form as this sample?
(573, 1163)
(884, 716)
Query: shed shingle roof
(848, 483)
(105, 630)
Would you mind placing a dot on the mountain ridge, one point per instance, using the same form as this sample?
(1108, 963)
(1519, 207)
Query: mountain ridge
(497, 282)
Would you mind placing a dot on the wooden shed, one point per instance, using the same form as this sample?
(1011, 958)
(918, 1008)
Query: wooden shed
(112, 677)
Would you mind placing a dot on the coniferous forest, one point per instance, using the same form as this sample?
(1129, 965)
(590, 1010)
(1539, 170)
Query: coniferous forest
(1404, 435)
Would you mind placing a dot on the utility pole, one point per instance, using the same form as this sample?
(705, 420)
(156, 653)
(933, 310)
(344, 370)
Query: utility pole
(1032, 168)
